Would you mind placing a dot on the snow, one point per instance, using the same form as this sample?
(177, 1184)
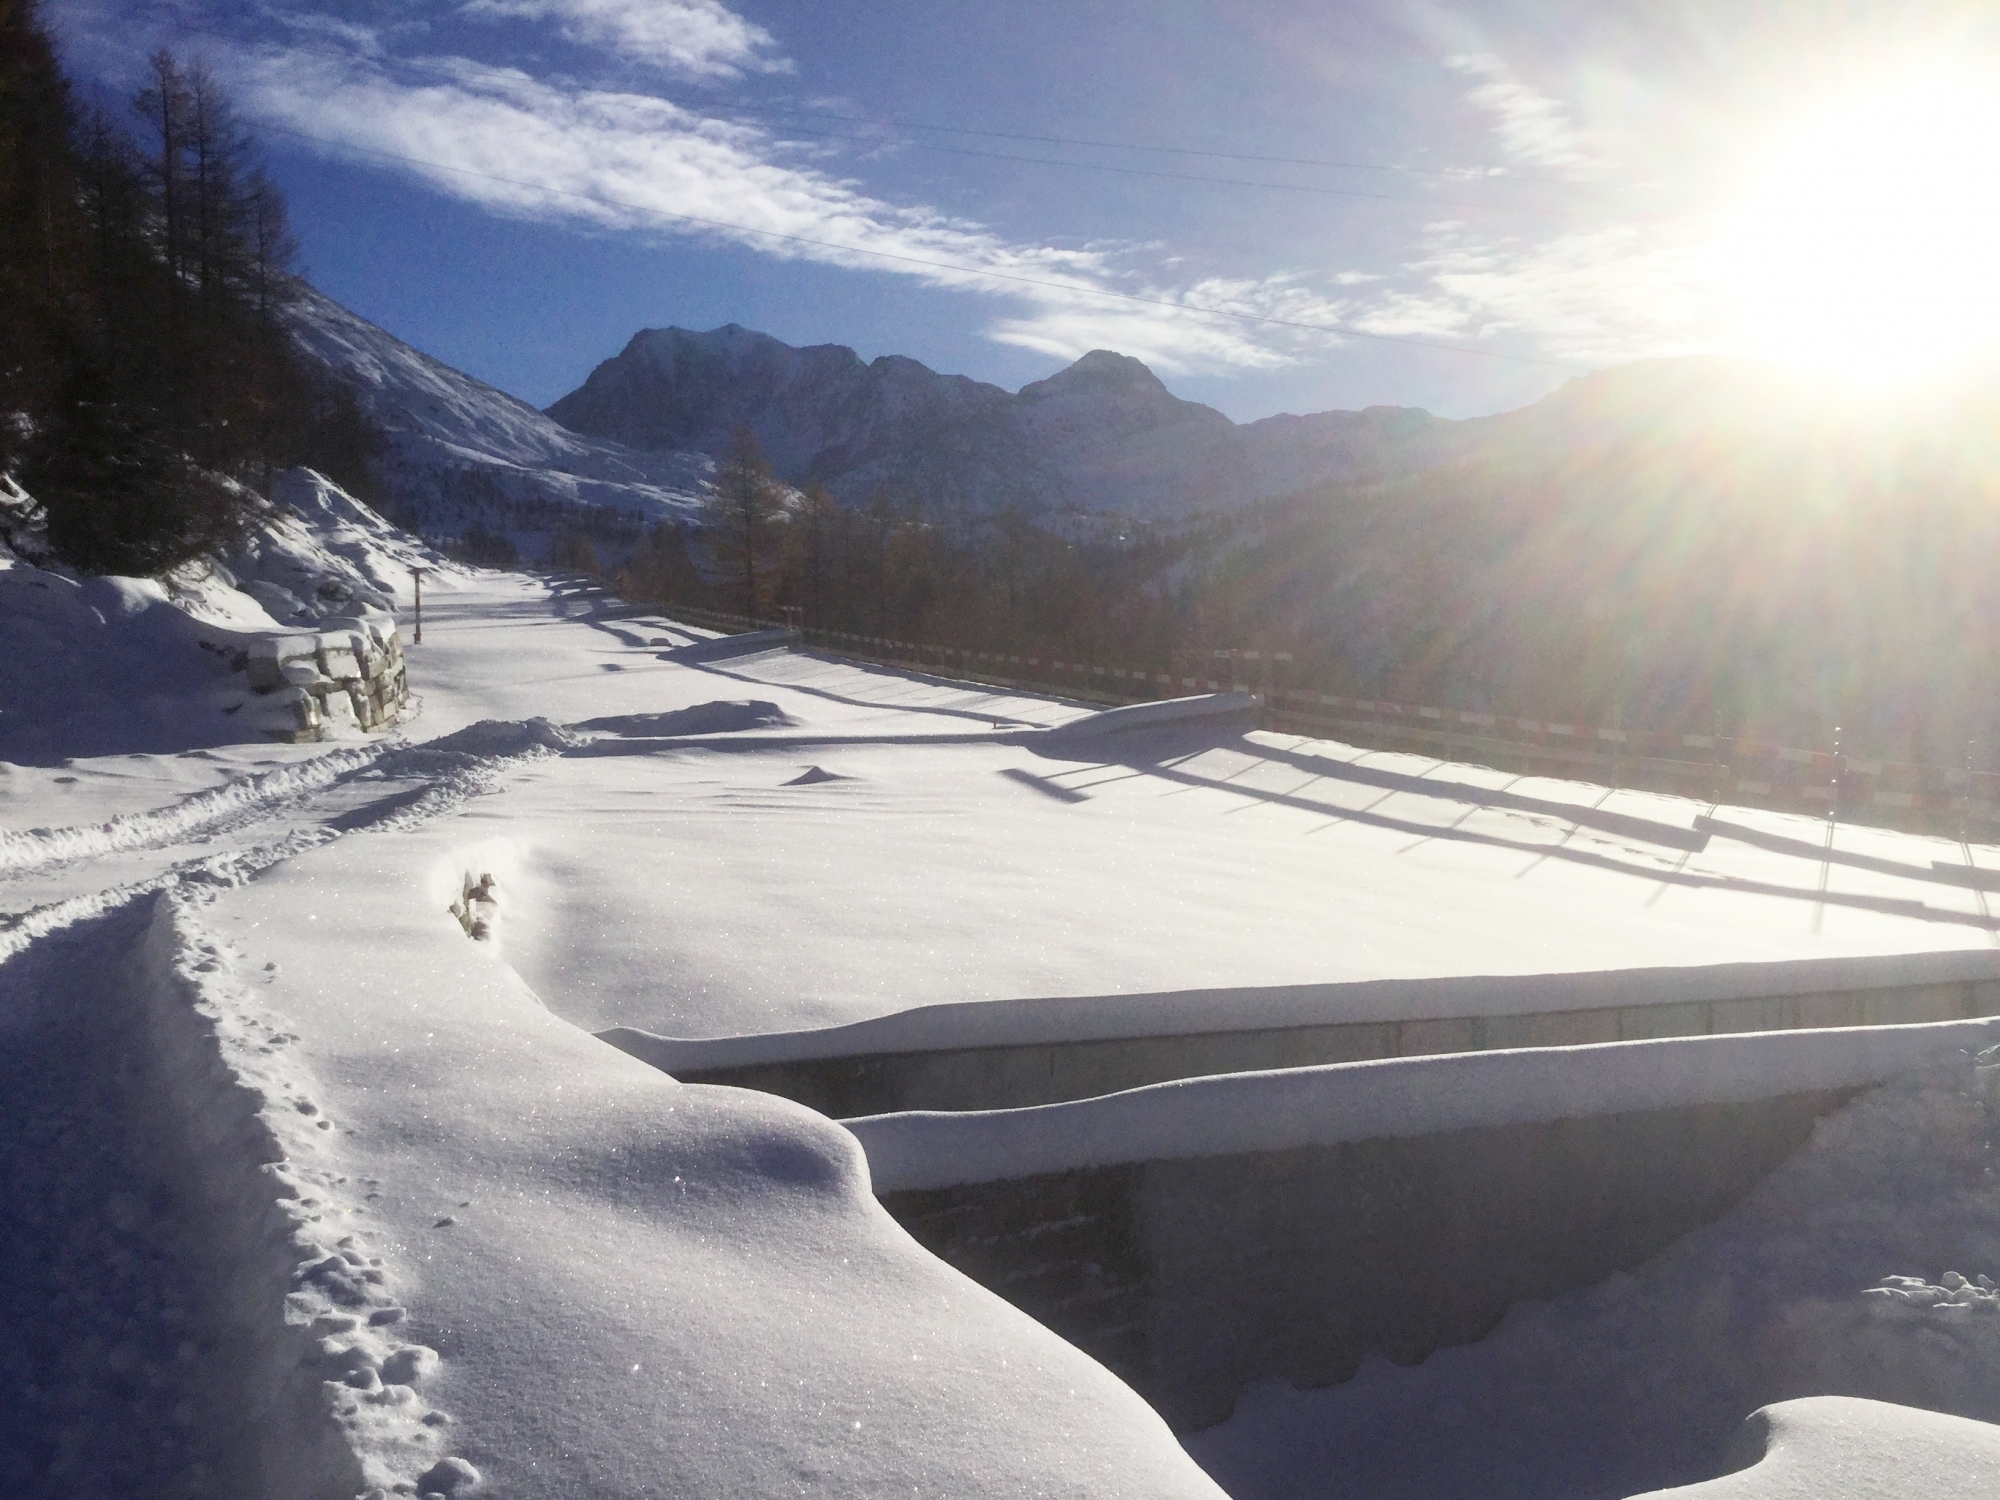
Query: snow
(1278, 1111)
(442, 425)
(296, 1054)
(97, 667)
(1869, 1450)
(324, 554)
(1641, 1382)
(1171, 879)
(108, 665)
(633, 1286)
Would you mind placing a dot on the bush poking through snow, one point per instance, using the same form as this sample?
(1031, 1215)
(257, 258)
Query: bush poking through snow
(478, 908)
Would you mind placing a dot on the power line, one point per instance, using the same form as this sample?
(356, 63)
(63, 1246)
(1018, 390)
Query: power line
(938, 265)
(752, 112)
(1065, 140)
(1095, 166)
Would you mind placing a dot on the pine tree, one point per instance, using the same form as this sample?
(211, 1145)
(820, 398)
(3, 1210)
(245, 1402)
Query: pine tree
(144, 376)
(741, 514)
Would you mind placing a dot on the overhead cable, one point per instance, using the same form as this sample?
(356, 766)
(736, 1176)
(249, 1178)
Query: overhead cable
(1075, 288)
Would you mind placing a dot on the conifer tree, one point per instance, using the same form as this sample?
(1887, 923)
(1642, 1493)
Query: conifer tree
(742, 512)
(145, 378)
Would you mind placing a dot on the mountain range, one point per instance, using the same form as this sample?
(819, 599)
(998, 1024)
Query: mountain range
(1104, 434)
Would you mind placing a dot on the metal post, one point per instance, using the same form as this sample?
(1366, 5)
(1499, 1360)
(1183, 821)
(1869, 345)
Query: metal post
(418, 574)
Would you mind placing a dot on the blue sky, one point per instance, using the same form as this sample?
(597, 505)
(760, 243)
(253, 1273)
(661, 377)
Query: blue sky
(1545, 183)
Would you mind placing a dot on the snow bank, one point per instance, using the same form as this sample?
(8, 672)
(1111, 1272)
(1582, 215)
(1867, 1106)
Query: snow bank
(631, 1287)
(337, 1393)
(721, 717)
(112, 665)
(1213, 708)
(723, 647)
(1841, 1448)
(1254, 1112)
(1091, 1018)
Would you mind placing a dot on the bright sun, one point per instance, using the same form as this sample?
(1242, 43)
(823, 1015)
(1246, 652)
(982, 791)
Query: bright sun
(1869, 245)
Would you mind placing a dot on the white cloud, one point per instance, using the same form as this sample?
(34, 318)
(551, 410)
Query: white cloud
(1531, 127)
(1595, 297)
(695, 38)
(366, 40)
(1187, 336)
(630, 163)
(633, 163)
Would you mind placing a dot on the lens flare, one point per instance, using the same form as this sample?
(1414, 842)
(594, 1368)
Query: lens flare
(1869, 244)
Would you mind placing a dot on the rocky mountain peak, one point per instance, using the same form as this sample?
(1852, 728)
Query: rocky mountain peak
(1099, 372)
(1104, 433)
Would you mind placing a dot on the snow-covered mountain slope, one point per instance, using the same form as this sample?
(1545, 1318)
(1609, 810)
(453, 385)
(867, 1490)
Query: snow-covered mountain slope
(99, 666)
(1104, 434)
(819, 413)
(454, 438)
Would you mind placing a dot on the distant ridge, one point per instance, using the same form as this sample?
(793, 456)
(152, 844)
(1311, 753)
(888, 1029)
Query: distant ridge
(1103, 434)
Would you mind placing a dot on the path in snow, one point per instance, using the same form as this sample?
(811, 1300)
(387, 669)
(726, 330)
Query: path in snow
(125, 1376)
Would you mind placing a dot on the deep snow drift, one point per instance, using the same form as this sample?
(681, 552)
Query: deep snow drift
(1837, 1445)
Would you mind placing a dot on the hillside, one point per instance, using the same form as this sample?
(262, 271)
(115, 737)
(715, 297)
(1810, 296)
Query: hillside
(1103, 434)
(1676, 542)
(458, 448)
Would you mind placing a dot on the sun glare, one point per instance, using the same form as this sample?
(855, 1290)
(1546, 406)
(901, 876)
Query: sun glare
(1869, 244)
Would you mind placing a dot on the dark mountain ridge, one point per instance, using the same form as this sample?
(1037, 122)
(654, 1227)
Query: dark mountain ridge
(1104, 434)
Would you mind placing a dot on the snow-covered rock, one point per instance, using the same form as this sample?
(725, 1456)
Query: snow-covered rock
(291, 635)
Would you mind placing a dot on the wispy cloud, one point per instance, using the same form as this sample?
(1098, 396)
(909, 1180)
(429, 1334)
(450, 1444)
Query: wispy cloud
(630, 162)
(694, 38)
(1594, 296)
(1184, 329)
(1532, 128)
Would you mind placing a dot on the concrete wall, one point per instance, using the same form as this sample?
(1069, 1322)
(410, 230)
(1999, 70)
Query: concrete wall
(1012, 1077)
(1192, 1277)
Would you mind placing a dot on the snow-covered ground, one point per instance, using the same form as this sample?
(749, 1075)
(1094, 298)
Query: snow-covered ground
(302, 1114)
(796, 870)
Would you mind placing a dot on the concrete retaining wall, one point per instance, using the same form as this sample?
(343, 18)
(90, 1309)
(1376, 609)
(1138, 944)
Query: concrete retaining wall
(1192, 1278)
(1199, 1235)
(1015, 1076)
